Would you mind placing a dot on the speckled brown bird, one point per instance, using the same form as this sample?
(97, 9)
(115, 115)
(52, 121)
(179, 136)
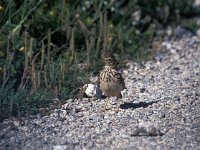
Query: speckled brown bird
(110, 79)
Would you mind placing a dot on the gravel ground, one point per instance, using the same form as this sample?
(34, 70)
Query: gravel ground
(160, 110)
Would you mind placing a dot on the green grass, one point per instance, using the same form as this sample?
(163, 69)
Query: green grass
(43, 44)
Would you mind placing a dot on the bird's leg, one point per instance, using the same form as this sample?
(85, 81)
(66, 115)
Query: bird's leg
(105, 108)
(118, 106)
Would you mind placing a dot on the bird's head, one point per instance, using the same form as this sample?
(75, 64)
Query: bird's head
(109, 60)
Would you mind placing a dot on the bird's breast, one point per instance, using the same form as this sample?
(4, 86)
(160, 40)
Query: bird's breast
(110, 82)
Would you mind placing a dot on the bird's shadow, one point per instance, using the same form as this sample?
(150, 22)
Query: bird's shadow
(128, 105)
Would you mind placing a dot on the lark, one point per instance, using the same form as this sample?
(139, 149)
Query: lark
(110, 79)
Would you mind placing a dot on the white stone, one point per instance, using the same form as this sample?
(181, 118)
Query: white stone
(92, 90)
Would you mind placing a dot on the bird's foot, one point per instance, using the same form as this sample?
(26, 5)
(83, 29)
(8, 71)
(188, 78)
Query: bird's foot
(117, 109)
(105, 108)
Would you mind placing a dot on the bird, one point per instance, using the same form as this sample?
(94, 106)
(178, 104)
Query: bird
(111, 81)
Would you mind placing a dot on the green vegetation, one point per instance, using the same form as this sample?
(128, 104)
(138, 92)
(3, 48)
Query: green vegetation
(49, 48)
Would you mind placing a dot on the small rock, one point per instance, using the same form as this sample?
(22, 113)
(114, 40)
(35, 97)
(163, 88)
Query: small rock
(93, 90)
(142, 90)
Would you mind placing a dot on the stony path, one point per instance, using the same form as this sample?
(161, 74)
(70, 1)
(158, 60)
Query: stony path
(160, 110)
